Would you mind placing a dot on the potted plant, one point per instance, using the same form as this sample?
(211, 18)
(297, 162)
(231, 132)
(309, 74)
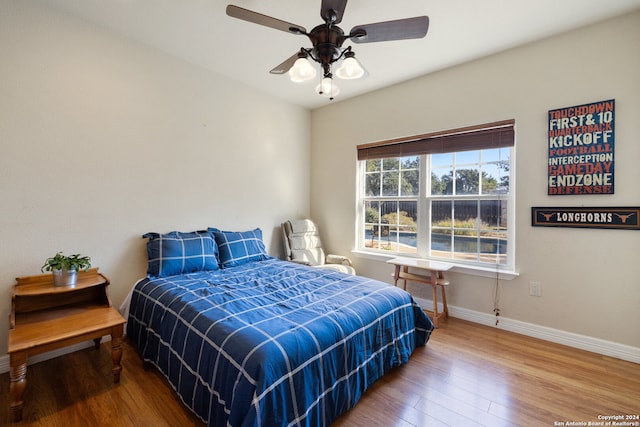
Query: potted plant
(65, 268)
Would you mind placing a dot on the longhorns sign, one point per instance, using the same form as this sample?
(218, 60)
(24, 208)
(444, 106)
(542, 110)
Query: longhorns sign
(605, 217)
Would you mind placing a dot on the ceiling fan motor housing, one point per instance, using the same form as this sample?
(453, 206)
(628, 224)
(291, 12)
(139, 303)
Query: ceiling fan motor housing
(326, 41)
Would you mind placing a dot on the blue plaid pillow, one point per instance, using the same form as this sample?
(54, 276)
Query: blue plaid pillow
(238, 248)
(181, 253)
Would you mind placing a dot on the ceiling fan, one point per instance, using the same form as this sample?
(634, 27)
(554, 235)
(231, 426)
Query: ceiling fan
(327, 40)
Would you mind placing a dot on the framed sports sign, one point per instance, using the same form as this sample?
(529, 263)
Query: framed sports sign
(622, 218)
(581, 149)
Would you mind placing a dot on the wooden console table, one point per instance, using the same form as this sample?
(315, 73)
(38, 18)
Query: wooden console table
(45, 317)
(435, 279)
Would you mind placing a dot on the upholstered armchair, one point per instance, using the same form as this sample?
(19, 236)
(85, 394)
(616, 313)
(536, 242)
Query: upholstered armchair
(302, 244)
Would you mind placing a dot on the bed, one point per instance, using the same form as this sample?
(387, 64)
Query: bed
(246, 339)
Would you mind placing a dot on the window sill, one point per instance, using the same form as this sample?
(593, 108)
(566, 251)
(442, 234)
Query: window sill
(473, 270)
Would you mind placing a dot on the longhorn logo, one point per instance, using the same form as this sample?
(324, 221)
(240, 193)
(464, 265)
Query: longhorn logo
(624, 217)
(547, 216)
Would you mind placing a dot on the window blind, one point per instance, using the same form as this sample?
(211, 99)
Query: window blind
(480, 137)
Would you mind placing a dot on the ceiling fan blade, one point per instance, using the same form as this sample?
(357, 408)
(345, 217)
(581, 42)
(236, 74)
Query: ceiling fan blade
(286, 65)
(267, 21)
(401, 29)
(335, 7)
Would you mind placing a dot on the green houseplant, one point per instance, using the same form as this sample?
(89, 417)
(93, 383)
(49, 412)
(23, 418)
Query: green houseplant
(65, 268)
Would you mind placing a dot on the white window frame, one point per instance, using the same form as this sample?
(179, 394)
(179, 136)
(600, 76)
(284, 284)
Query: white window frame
(424, 217)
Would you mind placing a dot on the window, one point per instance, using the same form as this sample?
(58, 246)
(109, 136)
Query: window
(444, 196)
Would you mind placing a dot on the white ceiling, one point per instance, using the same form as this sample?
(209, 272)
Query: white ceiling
(200, 32)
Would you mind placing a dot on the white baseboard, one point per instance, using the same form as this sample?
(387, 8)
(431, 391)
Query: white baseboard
(583, 342)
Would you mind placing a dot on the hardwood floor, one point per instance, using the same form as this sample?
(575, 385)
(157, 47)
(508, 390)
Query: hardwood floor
(467, 375)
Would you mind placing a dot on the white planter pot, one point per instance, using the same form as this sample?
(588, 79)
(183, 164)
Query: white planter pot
(65, 277)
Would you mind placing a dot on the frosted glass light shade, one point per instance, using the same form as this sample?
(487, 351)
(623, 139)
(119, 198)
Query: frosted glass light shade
(302, 71)
(350, 69)
(327, 88)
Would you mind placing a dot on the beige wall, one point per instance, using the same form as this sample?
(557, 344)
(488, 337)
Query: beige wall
(102, 140)
(590, 278)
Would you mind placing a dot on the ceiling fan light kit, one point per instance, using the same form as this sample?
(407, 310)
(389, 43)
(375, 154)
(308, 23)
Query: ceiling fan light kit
(327, 40)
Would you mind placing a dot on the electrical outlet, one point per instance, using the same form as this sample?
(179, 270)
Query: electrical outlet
(535, 289)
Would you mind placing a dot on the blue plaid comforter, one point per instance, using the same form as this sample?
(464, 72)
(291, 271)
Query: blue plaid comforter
(273, 343)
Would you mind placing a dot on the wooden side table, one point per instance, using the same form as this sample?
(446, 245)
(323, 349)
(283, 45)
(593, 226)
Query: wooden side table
(435, 279)
(45, 317)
